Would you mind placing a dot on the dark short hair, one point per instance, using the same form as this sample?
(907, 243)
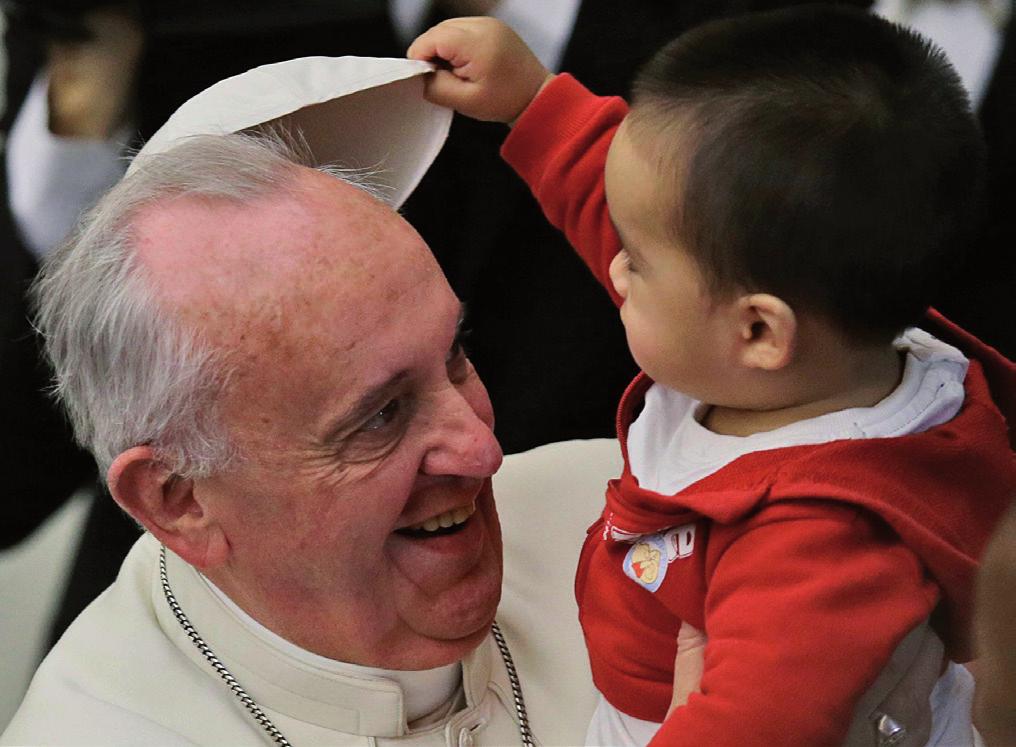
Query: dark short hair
(821, 154)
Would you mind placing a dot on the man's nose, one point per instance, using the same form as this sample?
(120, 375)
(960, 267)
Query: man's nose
(462, 439)
(618, 275)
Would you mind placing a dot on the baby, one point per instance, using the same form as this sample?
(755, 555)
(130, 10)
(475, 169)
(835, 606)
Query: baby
(808, 477)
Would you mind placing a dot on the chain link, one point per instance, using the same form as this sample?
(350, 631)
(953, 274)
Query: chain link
(266, 723)
(513, 677)
(248, 702)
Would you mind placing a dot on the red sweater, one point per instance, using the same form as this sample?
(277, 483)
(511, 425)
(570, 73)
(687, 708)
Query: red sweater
(808, 564)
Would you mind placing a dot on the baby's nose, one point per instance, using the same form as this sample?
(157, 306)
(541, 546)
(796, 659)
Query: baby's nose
(619, 274)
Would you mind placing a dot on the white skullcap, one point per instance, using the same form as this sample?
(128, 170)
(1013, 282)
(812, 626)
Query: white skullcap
(356, 112)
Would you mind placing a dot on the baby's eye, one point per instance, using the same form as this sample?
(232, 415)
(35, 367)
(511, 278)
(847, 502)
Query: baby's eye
(383, 417)
(629, 264)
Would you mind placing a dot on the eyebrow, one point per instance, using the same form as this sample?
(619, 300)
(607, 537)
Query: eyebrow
(377, 396)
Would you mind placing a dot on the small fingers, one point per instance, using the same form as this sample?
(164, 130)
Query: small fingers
(444, 88)
(451, 41)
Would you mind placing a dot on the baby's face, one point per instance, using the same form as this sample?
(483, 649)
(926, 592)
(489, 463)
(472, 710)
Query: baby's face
(675, 328)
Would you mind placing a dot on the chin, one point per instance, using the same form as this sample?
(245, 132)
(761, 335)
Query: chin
(450, 633)
(437, 653)
(465, 614)
(425, 651)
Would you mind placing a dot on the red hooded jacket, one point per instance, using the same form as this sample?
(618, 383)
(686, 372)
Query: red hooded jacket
(805, 566)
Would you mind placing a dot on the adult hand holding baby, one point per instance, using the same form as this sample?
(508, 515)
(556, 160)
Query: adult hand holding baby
(688, 665)
(487, 72)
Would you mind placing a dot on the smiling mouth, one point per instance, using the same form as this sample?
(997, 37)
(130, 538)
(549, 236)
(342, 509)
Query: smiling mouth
(449, 522)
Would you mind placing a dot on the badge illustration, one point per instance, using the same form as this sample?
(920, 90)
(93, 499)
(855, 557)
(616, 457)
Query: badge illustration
(680, 541)
(645, 563)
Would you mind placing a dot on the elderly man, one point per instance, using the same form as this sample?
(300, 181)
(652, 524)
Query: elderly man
(266, 362)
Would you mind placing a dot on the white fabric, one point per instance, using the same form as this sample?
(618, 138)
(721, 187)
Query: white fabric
(669, 449)
(408, 17)
(544, 27)
(126, 673)
(970, 32)
(424, 691)
(358, 112)
(610, 727)
(951, 703)
(51, 179)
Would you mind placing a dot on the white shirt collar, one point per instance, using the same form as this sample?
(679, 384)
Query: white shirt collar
(299, 687)
(425, 691)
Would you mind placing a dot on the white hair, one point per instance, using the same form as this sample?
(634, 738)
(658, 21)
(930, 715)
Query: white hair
(128, 372)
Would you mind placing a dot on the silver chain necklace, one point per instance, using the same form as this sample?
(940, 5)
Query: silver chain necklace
(266, 723)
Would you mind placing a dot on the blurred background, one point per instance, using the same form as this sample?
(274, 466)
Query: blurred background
(82, 81)
(33, 573)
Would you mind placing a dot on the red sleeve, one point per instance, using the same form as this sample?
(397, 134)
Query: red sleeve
(998, 370)
(801, 615)
(559, 147)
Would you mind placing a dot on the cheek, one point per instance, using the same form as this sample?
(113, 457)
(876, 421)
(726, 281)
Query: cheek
(637, 324)
(359, 512)
(635, 331)
(650, 341)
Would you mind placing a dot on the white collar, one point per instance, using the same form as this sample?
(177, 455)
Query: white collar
(425, 691)
(335, 698)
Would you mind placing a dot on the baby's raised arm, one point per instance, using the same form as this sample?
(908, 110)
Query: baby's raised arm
(486, 71)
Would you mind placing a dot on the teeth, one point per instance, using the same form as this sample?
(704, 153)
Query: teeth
(447, 519)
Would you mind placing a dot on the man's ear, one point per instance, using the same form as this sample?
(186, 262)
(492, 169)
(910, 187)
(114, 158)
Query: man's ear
(766, 332)
(166, 505)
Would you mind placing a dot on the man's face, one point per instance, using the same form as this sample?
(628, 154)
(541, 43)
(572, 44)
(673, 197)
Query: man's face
(359, 515)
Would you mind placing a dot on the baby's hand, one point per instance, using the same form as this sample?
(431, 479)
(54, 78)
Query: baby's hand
(488, 72)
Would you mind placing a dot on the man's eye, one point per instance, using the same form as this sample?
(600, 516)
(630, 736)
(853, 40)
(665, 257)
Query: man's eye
(455, 353)
(457, 362)
(383, 417)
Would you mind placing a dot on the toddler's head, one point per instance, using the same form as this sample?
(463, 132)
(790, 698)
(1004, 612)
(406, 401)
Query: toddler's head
(816, 163)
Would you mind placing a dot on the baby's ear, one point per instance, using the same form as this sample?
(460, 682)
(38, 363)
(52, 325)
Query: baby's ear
(766, 331)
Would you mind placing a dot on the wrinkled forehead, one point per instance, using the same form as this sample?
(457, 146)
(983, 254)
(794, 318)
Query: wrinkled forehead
(309, 244)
